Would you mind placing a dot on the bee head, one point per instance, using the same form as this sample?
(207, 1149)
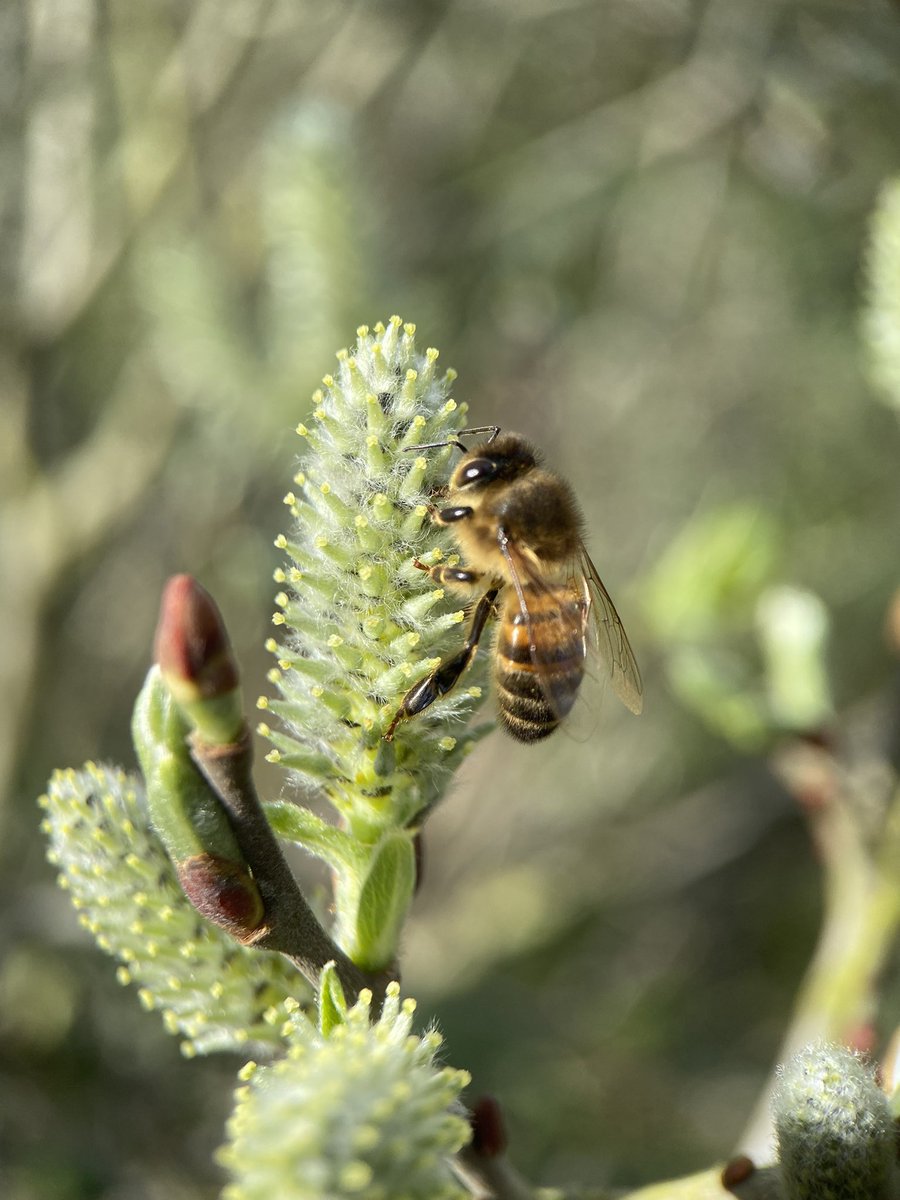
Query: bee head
(501, 459)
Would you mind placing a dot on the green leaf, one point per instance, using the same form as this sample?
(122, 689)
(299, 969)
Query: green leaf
(332, 1005)
(189, 817)
(316, 836)
(384, 901)
(710, 577)
(185, 811)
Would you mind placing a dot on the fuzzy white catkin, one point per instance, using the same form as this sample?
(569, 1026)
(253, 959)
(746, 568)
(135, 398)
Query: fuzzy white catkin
(211, 991)
(833, 1127)
(358, 623)
(362, 1114)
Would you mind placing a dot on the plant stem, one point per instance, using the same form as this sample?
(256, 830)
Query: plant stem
(290, 925)
(492, 1178)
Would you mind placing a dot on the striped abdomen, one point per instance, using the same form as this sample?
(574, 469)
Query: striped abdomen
(535, 690)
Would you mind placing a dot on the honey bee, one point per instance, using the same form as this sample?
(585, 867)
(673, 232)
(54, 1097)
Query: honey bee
(519, 531)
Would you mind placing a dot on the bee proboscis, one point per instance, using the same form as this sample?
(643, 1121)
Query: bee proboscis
(519, 531)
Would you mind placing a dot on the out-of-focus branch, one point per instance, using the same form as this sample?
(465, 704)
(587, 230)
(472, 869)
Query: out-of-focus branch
(54, 519)
(153, 158)
(717, 1184)
(857, 840)
(483, 1166)
(738, 1180)
(838, 998)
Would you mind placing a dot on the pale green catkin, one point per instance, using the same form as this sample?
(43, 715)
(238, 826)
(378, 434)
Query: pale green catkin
(359, 623)
(363, 1113)
(833, 1126)
(215, 994)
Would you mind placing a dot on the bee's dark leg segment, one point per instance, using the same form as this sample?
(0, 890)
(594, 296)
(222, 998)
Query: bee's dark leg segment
(493, 430)
(446, 516)
(445, 576)
(447, 675)
(454, 576)
(435, 446)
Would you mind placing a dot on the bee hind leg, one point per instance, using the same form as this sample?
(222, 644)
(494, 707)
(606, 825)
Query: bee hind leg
(444, 677)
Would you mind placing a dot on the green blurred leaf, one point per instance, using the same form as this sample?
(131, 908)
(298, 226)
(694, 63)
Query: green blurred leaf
(718, 688)
(793, 630)
(881, 321)
(708, 580)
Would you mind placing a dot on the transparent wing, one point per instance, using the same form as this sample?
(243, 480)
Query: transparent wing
(608, 637)
(565, 608)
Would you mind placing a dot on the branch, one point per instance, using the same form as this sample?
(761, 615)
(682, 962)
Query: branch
(838, 998)
(193, 703)
(290, 925)
(738, 1178)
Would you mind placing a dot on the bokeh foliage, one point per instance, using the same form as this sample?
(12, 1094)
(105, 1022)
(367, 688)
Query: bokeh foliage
(637, 229)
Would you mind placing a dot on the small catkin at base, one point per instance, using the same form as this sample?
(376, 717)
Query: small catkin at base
(833, 1126)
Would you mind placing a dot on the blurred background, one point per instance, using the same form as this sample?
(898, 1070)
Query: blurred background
(637, 229)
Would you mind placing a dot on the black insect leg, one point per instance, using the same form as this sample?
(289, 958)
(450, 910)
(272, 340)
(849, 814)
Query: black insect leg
(458, 577)
(446, 516)
(447, 675)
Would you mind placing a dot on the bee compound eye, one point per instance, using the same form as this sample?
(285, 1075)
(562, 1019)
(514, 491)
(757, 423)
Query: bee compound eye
(478, 470)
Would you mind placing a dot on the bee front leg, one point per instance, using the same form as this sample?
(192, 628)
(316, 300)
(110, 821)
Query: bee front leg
(446, 516)
(424, 693)
(444, 576)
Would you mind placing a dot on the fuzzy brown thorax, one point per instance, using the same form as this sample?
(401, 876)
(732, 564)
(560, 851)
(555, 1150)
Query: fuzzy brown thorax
(506, 487)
